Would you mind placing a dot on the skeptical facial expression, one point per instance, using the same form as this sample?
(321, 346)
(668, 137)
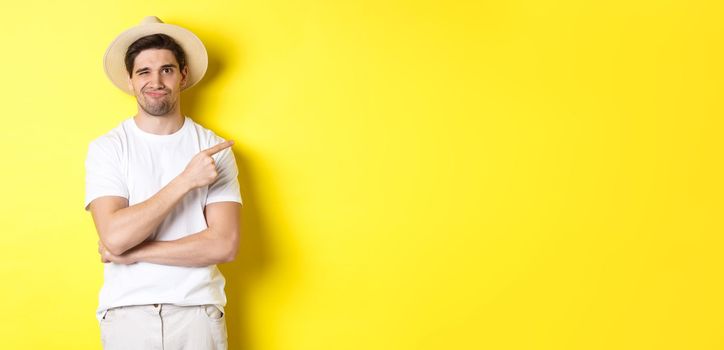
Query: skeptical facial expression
(157, 81)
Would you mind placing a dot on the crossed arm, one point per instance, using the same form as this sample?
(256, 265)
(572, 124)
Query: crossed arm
(123, 229)
(214, 245)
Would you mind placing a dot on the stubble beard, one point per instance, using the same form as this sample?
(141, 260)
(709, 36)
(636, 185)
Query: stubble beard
(156, 108)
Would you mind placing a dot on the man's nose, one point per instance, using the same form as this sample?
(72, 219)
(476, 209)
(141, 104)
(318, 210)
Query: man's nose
(156, 80)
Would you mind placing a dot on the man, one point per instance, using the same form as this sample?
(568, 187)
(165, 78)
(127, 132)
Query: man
(165, 201)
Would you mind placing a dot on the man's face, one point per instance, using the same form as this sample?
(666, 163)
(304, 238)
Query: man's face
(157, 81)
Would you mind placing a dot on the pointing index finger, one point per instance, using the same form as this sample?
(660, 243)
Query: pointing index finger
(217, 148)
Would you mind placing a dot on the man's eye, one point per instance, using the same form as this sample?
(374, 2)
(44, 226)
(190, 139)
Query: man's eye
(167, 70)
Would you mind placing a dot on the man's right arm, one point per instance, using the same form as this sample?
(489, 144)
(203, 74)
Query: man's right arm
(122, 227)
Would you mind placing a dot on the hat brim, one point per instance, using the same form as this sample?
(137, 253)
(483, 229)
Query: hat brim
(114, 59)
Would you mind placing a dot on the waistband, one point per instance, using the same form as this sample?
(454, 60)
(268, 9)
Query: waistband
(159, 309)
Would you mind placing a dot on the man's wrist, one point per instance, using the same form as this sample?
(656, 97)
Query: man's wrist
(182, 184)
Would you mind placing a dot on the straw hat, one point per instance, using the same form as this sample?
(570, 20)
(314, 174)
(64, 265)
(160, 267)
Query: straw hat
(114, 59)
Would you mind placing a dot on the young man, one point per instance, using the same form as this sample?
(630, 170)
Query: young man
(164, 196)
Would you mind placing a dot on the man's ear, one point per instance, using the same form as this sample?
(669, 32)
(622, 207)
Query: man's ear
(130, 83)
(185, 75)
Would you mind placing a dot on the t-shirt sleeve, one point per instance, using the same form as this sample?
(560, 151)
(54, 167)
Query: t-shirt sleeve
(226, 186)
(103, 174)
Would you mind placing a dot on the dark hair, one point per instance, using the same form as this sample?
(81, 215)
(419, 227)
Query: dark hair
(154, 41)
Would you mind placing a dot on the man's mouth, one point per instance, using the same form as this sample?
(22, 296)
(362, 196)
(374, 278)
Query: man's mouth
(155, 93)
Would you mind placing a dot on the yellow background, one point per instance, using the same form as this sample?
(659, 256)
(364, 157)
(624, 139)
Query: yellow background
(415, 174)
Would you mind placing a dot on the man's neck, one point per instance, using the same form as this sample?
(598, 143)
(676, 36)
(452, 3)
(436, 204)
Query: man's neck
(160, 125)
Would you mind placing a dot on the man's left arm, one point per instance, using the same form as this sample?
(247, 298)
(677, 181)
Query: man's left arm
(217, 244)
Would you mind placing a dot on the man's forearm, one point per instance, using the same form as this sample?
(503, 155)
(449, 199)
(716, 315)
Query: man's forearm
(134, 224)
(199, 249)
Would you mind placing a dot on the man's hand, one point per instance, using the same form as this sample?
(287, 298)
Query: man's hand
(201, 170)
(106, 256)
(103, 252)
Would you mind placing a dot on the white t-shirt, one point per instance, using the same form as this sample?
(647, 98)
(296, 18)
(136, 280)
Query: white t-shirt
(134, 164)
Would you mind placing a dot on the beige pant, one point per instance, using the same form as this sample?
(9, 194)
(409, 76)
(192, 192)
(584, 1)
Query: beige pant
(164, 327)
